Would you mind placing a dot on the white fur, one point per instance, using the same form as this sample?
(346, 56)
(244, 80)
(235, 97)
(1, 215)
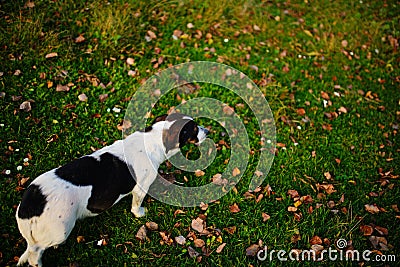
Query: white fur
(144, 151)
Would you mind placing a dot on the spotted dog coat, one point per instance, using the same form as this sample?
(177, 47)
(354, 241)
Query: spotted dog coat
(93, 183)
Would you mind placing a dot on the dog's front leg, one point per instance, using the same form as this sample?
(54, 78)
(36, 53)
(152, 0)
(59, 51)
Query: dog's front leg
(137, 198)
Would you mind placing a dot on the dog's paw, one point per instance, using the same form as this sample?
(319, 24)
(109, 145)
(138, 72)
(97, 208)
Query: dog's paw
(139, 212)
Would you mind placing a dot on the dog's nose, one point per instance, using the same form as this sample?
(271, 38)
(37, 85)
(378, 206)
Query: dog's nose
(206, 132)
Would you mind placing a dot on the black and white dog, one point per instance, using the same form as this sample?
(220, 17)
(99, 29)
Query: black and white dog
(91, 184)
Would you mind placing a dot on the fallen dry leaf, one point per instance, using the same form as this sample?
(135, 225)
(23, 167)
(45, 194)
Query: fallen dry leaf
(328, 188)
(180, 240)
(198, 243)
(381, 230)
(62, 88)
(80, 39)
(301, 111)
(293, 193)
(51, 55)
(192, 252)
(80, 239)
(234, 208)
(25, 106)
(367, 230)
(378, 242)
(203, 206)
(103, 97)
(231, 229)
(315, 240)
(197, 224)
(252, 250)
(371, 208)
(220, 248)
(82, 97)
(235, 172)
(324, 95)
(265, 217)
(292, 209)
(142, 233)
(152, 226)
(199, 173)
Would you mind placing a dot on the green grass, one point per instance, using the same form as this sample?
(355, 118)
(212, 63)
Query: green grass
(296, 52)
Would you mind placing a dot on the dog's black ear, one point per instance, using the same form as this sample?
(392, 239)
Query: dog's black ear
(160, 118)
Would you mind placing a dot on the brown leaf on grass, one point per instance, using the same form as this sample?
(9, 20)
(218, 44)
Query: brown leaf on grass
(295, 238)
(80, 39)
(82, 97)
(199, 173)
(62, 88)
(328, 188)
(234, 208)
(25, 106)
(80, 239)
(307, 199)
(301, 111)
(325, 95)
(228, 110)
(51, 55)
(180, 240)
(327, 127)
(178, 212)
(203, 206)
(378, 242)
(259, 198)
(152, 226)
(315, 240)
(198, 243)
(381, 230)
(265, 217)
(151, 34)
(220, 248)
(231, 229)
(371, 208)
(293, 193)
(103, 97)
(218, 180)
(192, 252)
(141, 235)
(198, 225)
(252, 250)
(235, 172)
(165, 238)
(328, 175)
(292, 209)
(367, 230)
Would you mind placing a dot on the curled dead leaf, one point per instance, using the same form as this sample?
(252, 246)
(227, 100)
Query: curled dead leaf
(234, 208)
(252, 250)
(198, 225)
(62, 88)
(371, 208)
(152, 226)
(51, 55)
(265, 217)
(220, 248)
(198, 243)
(141, 235)
(315, 240)
(25, 106)
(180, 240)
(367, 230)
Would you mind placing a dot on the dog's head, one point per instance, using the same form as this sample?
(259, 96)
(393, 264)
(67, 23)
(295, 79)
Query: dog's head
(178, 130)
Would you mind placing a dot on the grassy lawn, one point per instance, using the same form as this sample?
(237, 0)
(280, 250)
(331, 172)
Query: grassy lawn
(328, 69)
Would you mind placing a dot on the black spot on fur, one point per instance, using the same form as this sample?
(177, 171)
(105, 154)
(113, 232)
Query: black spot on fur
(109, 176)
(33, 202)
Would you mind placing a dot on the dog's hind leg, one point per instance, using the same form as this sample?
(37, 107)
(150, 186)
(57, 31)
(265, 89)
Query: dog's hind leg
(32, 255)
